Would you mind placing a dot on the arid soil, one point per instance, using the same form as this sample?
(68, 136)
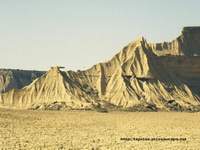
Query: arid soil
(94, 130)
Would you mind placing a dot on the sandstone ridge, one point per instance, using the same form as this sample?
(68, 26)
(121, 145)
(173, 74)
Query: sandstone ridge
(141, 77)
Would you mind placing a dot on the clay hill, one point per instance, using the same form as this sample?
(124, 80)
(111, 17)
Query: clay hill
(141, 77)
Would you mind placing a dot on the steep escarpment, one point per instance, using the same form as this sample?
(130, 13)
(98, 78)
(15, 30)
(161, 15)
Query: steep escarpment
(186, 68)
(187, 44)
(136, 76)
(142, 76)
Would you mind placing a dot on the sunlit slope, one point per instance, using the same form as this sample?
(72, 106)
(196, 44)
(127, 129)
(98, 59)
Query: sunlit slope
(49, 88)
(140, 76)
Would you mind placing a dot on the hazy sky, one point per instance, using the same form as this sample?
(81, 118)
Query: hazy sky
(36, 34)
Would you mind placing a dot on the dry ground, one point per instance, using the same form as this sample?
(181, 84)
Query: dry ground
(93, 130)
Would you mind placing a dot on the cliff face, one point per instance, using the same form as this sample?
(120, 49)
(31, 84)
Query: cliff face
(186, 68)
(141, 76)
(137, 76)
(187, 44)
(190, 41)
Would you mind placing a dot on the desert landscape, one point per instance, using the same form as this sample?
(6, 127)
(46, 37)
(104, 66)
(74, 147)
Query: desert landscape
(99, 75)
(146, 97)
(143, 76)
(77, 130)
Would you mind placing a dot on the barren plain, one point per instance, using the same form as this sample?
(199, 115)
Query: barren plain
(26, 129)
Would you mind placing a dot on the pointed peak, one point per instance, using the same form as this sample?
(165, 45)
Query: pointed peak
(55, 68)
(54, 71)
(139, 40)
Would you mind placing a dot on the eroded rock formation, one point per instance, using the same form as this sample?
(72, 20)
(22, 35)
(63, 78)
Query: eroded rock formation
(143, 76)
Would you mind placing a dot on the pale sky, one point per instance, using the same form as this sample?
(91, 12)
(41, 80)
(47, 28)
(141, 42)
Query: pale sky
(36, 34)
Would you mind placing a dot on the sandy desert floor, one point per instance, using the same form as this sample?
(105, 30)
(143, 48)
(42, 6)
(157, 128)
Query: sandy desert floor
(92, 130)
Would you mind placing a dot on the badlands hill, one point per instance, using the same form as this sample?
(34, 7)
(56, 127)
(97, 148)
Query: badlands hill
(141, 77)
